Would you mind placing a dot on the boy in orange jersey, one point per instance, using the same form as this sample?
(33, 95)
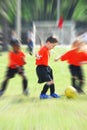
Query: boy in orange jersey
(44, 72)
(16, 63)
(75, 57)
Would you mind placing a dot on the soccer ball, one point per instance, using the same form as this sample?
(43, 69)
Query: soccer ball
(70, 92)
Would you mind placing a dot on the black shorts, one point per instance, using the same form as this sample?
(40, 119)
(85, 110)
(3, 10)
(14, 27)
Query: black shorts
(11, 72)
(44, 73)
(76, 71)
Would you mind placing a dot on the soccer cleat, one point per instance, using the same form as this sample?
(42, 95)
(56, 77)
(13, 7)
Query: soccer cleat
(25, 92)
(44, 96)
(80, 91)
(54, 95)
(31, 53)
(1, 93)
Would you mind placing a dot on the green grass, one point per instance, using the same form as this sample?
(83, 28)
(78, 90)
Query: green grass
(18, 112)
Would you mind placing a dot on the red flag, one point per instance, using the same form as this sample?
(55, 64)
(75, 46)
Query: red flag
(60, 22)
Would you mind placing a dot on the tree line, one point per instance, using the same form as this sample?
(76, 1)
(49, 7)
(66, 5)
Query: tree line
(42, 10)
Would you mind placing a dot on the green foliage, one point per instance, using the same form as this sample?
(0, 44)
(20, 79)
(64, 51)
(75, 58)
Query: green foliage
(74, 9)
(80, 12)
(44, 9)
(8, 9)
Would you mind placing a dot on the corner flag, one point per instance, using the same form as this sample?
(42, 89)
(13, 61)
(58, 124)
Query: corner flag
(60, 22)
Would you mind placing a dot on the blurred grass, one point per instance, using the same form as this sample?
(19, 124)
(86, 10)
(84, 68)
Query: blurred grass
(18, 112)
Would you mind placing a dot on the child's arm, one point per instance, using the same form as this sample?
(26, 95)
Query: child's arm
(57, 58)
(83, 62)
(63, 57)
(23, 58)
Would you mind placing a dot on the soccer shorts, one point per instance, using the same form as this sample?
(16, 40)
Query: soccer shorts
(76, 71)
(44, 73)
(12, 71)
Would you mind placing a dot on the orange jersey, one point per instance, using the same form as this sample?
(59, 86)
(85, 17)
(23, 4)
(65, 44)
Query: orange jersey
(74, 57)
(16, 59)
(43, 56)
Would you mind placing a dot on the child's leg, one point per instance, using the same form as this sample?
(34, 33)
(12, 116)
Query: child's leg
(51, 83)
(80, 80)
(45, 89)
(30, 47)
(10, 74)
(24, 83)
(73, 82)
(21, 72)
(52, 89)
(73, 72)
(80, 86)
(4, 85)
(81, 83)
(48, 85)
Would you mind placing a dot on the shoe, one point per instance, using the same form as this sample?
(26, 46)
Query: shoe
(54, 95)
(80, 91)
(44, 96)
(31, 53)
(1, 93)
(25, 92)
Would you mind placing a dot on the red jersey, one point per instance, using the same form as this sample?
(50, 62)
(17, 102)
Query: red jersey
(44, 56)
(74, 57)
(16, 59)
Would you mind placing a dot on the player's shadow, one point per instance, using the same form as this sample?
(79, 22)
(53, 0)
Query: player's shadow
(25, 100)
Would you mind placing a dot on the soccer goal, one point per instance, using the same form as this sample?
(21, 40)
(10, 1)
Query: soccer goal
(66, 35)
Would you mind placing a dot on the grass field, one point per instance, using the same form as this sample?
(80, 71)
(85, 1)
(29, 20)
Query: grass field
(18, 112)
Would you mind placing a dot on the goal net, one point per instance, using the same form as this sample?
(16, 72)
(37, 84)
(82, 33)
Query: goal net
(65, 36)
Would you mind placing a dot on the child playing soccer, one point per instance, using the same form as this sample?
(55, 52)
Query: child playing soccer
(16, 63)
(75, 57)
(44, 72)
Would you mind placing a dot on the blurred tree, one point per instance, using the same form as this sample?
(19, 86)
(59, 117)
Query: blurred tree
(74, 9)
(40, 10)
(80, 11)
(7, 10)
(47, 9)
(44, 9)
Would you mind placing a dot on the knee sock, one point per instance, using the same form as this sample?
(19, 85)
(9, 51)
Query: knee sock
(45, 89)
(52, 89)
(74, 83)
(81, 83)
(25, 82)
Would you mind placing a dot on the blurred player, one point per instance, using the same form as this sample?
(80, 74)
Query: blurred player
(16, 63)
(30, 41)
(13, 36)
(43, 70)
(75, 57)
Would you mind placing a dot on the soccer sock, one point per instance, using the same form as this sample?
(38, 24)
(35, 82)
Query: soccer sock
(81, 83)
(52, 89)
(25, 82)
(45, 88)
(4, 84)
(74, 83)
